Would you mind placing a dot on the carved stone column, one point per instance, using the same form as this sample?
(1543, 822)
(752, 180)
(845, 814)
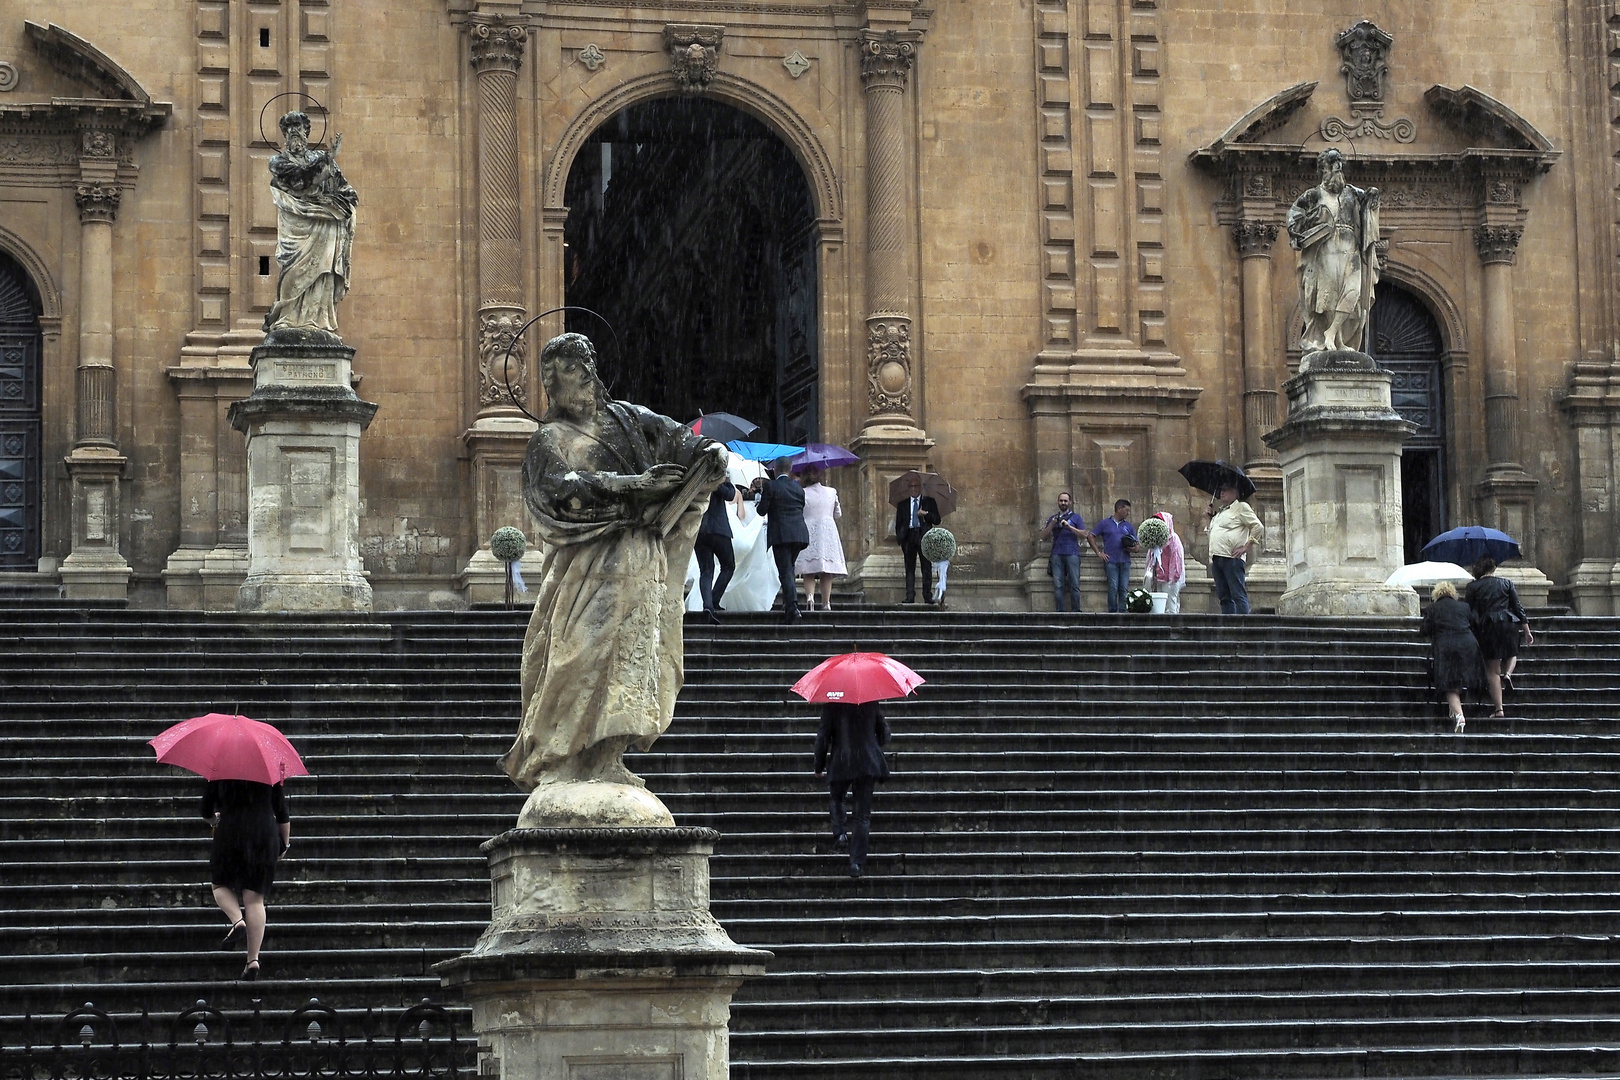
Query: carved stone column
(891, 441)
(1507, 493)
(498, 436)
(1592, 405)
(95, 569)
(1263, 373)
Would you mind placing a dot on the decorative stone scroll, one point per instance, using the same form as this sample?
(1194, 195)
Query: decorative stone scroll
(694, 53)
(888, 365)
(502, 371)
(1337, 129)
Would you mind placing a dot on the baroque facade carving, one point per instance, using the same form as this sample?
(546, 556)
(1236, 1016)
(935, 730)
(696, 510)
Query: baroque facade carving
(1497, 243)
(97, 201)
(1365, 49)
(502, 367)
(497, 43)
(1337, 129)
(886, 57)
(888, 366)
(694, 53)
(1254, 237)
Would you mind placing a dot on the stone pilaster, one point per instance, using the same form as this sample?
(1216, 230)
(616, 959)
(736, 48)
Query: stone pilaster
(1507, 492)
(95, 569)
(891, 440)
(1263, 373)
(1592, 405)
(498, 436)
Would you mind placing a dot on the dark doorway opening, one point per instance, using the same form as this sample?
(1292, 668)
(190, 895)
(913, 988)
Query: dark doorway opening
(19, 418)
(692, 229)
(1405, 340)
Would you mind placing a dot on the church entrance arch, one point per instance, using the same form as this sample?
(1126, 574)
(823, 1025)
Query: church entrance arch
(20, 417)
(691, 227)
(1405, 340)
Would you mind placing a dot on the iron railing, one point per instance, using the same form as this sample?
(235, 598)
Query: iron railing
(313, 1042)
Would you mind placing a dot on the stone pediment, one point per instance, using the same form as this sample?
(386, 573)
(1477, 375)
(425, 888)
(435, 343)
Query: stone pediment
(1266, 117)
(1478, 115)
(112, 99)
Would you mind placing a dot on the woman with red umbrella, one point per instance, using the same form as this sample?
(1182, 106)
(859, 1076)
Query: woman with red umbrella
(244, 762)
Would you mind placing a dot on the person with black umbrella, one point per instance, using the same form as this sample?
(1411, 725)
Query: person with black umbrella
(1234, 531)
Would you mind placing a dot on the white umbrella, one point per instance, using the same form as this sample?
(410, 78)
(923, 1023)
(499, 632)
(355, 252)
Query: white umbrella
(1421, 574)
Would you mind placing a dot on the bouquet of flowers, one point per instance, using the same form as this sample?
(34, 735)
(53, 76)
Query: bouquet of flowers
(1139, 601)
(1153, 533)
(938, 545)
(508, 545)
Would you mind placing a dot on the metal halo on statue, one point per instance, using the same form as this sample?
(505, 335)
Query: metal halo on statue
(517, 335)
(292, 93)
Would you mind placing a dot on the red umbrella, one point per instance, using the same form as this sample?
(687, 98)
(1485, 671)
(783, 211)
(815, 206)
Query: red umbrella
(857, 677)
(221, 747)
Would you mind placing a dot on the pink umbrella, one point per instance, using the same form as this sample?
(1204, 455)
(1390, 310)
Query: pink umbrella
(857, 677)
(221, 747)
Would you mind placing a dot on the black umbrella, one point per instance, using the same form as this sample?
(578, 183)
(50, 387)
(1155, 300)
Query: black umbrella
(723, 427)
(1211, 476)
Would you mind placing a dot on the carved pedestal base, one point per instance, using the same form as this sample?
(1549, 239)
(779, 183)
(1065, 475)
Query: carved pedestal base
(303, 424)
(886, 450)
(601, 958)
(1340, 455)
(95, 570)
(205, 579)
(497, 445)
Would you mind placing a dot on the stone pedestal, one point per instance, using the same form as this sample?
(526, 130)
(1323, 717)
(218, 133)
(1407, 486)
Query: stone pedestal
(1340, 455)
(886, 450)
(303, 423)
(601, 958)
(497, 445)
(96, 570)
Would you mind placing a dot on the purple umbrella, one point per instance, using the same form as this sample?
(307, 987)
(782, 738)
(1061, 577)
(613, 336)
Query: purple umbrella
(823, 456)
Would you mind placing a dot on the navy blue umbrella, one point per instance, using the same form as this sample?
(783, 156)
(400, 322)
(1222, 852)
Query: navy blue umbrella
(1470, 543)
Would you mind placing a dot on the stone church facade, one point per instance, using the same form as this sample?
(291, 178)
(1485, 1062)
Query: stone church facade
(1045, 240)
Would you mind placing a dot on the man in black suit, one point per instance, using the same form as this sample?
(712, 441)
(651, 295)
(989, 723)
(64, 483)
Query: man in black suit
(912, 518)
(849, 752)
(781, 504)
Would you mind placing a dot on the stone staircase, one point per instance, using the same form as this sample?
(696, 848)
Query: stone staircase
(1112, 846)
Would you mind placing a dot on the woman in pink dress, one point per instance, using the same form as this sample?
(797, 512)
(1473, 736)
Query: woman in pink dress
(823, 557)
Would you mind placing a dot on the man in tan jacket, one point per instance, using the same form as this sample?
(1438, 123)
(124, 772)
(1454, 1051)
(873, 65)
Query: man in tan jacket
(1234, 530)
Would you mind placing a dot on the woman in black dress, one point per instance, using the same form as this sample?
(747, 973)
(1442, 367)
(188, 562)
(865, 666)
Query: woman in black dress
(251, 831)
(1457, 665)
(1499, 623)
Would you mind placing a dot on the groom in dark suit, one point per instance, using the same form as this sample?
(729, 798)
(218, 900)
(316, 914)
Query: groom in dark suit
(781, 504)
(913, 517)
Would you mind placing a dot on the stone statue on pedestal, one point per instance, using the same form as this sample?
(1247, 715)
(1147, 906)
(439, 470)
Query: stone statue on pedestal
(617, 492)
(1334, 227)
(314, 231)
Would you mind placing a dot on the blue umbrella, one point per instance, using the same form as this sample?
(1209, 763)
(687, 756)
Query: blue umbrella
(762, 451)
(1469, 544)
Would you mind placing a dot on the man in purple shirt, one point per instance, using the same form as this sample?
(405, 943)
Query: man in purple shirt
(1066, 529)
(1118, 538)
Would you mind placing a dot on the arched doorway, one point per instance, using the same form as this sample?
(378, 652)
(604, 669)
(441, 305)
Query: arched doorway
(19, 418)
(1406, 342)
(691, 227)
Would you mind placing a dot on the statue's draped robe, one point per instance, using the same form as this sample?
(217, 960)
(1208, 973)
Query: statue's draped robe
(314, 237)
(1338, 266)
(603, 653)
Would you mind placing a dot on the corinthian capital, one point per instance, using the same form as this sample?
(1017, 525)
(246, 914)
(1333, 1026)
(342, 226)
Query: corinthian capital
(97, 201)
(886, 56)
(497, 43)
(1254, 237)
(1497, 243)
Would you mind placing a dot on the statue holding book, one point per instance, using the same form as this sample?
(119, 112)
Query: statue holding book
(617, 492)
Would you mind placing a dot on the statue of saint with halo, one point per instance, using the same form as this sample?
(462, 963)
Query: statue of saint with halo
(617, 492)
(314, 231)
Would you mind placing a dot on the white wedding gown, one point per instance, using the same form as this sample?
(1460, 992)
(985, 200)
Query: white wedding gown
(754, 586)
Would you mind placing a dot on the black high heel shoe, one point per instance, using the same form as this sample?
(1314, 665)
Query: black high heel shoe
(250, 973)
(237, 934)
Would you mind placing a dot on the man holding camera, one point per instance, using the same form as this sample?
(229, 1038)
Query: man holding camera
(1066, 529)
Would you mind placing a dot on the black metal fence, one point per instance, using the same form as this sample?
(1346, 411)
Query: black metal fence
(313, 1042)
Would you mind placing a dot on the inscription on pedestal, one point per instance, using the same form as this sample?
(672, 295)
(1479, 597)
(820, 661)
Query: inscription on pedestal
(626, 1068)
(95, 514)
(309, 501)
